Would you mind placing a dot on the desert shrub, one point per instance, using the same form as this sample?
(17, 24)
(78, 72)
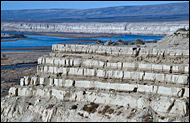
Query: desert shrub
(120, 107)
(111, 111)
(109, 42)
(99, 41)
(118, 113)
(104, 110)
(139, 41)
(74, 107)
(181, 29)
(155, 41)
(125, 43)
(3, 55)
(91, 108)
(119, 40)
(176, 44)
(131, 43)
(115, 43)
(80, 114)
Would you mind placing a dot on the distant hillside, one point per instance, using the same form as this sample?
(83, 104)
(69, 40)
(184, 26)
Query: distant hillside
(162, 12)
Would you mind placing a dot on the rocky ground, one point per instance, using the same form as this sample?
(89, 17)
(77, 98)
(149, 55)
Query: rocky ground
(177, 41)
(11, 77)
(13, 58)
(173, 41)
(54, 109)
(67, 111)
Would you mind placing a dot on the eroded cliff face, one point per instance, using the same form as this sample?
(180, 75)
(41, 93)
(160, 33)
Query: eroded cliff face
(103, 83)
(155, 28)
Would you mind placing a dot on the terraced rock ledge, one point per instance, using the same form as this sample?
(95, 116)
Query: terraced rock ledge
(103, 83)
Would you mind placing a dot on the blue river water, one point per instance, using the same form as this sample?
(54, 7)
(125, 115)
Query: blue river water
(48, 41)
(18, 66)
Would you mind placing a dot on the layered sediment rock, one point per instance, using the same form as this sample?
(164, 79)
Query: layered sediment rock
(155, 28)
(103, 83)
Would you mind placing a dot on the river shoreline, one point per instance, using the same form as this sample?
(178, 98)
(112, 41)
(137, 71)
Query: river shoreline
(6, 37)
(47, 48)
(16, 65)
(15, 39)
(74, 35)
(30, 48)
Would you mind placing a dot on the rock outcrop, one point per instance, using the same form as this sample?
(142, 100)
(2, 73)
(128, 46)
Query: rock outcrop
(175, 41)
(155, 28)
(103, 83)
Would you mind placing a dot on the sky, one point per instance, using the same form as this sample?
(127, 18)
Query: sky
(17, 5)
